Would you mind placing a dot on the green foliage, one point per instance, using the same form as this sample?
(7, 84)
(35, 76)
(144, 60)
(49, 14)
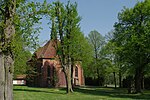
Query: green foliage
(31, 71)
(131, 38)
(70, 41)
(97, 66)
(97, 41)
(27, 24)
(27, 28)
(65, 23)
(20, 64)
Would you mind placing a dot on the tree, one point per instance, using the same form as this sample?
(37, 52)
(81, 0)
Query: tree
(107, 57)
(27, 22)
(27, 25)
(131, 37)
(7, 13)
(20, 64)
(97, 42)
(118, 65)
(11, 26)
(65, 36)
(70, 41)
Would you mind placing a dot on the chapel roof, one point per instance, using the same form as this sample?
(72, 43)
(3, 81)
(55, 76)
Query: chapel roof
(47, 51)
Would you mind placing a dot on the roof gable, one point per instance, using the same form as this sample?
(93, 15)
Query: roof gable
(47, 51)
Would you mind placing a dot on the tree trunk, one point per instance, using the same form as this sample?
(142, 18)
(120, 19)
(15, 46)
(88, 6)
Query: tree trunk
(130, 84)
(120, 78)
(68, 77)
(2, 77)
(138, 80)
(115, 79)
(6, 58)
(72, 76)
(6, 76)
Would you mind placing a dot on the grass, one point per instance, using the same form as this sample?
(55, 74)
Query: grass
(84, 93)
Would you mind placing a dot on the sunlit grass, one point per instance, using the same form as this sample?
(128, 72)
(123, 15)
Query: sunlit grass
(84, 93)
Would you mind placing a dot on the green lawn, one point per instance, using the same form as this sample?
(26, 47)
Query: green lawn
(28, 93)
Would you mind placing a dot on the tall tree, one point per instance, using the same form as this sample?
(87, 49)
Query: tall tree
(118, 66)
(131, 38)
(7, 10)
(97, 42)
(70, 40)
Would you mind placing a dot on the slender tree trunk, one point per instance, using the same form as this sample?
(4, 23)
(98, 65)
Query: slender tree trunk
(67, 71)
(115, 79)
(68, 77)
(72, 76)
(120, 78)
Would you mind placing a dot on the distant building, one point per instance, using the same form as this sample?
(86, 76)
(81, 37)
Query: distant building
(20, 80)
(49, 70)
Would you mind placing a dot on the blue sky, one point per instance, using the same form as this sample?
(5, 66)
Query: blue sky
(97, 15)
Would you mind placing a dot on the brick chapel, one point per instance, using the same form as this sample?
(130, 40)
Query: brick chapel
(50, 72)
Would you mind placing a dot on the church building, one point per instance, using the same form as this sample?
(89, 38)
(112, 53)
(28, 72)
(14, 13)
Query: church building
(49, 70)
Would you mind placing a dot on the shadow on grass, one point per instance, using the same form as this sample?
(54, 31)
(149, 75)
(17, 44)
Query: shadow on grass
(112, 92)
(38, 90)
(98, 91)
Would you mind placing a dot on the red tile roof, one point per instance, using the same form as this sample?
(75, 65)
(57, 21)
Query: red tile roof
(47, 51)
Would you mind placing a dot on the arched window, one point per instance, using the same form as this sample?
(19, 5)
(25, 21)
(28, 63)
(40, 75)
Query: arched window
(76, 71)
